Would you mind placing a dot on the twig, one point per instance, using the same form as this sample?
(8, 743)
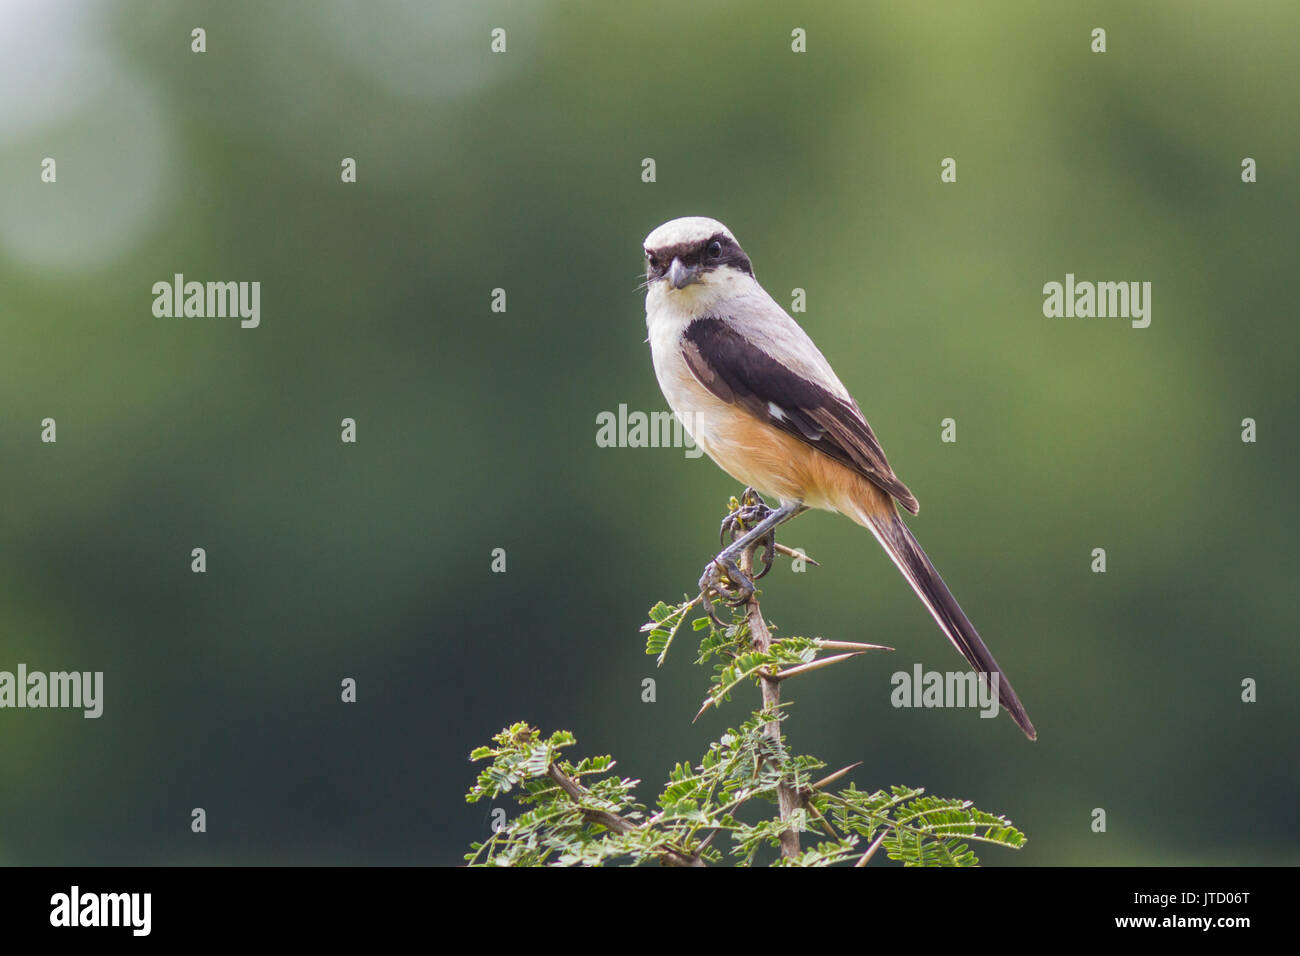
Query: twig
(786, 796)
(612, 821)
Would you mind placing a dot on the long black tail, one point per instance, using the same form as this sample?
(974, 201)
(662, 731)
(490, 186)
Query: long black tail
(906, 553)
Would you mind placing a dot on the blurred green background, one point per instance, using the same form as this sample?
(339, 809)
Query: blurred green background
(477, 429)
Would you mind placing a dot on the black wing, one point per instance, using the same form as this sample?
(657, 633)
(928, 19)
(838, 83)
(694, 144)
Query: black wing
(740, 373)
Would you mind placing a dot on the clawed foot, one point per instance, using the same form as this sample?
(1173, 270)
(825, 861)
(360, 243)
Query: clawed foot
(752, 526)
(745, 514)
(723, 577)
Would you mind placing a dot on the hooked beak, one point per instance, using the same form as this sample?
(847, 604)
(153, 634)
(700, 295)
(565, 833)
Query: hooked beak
(680, 275)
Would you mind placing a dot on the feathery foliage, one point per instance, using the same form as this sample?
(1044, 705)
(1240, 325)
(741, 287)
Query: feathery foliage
(583, 814)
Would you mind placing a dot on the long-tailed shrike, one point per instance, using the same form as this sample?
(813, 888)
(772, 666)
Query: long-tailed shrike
(756, 394)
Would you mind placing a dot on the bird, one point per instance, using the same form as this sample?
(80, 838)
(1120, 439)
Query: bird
(757, 395)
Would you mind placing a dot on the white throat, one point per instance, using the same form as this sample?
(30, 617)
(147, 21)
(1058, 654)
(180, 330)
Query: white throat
(710, 296)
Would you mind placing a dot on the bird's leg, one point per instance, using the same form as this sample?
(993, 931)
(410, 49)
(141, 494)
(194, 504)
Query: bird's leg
(740, 587)
(745, 514)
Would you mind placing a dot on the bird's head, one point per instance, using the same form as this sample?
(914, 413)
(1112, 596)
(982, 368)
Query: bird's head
(694, 256)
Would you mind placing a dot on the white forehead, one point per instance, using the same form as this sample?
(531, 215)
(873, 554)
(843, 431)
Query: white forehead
(689, 229)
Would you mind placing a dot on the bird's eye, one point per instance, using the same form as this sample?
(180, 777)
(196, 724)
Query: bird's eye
(715, 249)
(652, 260)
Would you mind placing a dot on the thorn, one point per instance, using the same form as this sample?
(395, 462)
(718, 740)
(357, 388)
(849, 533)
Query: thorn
(816, 665)
(792, 553)
(707, 704)
(850, 646)
(817, 816)
(871, 850)
(831, 778)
